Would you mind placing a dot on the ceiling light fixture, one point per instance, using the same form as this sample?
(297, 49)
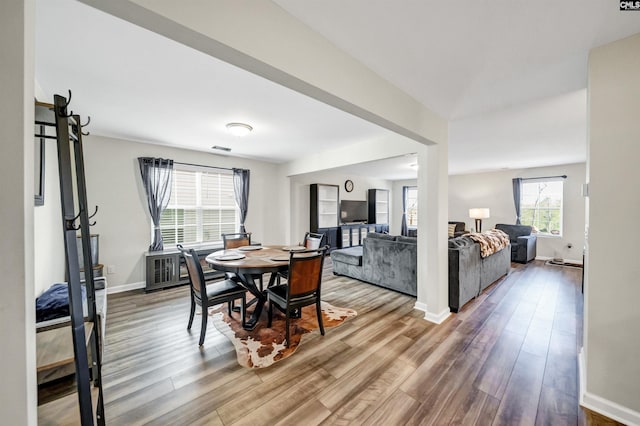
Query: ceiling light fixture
(239, 129)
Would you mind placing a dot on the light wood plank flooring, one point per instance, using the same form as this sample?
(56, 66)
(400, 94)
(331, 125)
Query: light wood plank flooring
(509, 357)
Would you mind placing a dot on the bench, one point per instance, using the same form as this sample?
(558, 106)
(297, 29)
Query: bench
(54, 344)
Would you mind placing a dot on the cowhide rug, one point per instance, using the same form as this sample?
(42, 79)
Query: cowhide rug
(263, 346)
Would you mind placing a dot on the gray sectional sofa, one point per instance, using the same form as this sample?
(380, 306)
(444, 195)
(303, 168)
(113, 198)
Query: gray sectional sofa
(391, 262)
(469, 273)
(385, 260)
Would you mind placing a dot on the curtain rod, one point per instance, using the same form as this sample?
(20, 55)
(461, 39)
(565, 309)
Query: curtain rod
(545, 177)
(201, 165)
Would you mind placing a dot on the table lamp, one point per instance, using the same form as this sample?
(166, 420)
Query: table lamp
(478, 215)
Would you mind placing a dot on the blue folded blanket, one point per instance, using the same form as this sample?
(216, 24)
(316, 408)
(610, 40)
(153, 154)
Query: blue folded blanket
(54, 302)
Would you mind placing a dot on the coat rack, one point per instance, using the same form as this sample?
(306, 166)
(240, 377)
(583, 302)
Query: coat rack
(75, 217)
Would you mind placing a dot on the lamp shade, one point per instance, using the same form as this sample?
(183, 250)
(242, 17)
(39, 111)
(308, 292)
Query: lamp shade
(482, 213)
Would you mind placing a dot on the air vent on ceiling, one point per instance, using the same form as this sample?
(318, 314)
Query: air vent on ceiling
(221, 148)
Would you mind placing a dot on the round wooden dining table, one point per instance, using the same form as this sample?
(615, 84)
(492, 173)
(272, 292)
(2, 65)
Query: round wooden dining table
(249, 263)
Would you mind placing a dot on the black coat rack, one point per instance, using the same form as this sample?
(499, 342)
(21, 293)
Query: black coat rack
(73, 195)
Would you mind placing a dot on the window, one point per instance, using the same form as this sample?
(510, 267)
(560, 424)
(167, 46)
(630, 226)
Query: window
(202, 206)
(541, 206)
(412, 207)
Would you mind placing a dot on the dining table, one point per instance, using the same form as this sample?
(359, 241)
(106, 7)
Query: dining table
(249, 263)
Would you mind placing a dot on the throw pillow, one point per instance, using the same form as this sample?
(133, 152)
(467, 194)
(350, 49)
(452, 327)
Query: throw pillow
(452, 229)
(54, 302)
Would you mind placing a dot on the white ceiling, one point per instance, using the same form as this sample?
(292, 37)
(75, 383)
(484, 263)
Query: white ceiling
(464, 57)
(140, 86)
(510, 77)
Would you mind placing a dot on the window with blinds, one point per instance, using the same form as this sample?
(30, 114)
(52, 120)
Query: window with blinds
(202, 206)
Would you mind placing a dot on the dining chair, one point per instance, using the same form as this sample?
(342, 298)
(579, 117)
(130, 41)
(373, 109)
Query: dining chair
(302, 288)
(206, 295)
(235, 240)
(231, 241)
(310, 241)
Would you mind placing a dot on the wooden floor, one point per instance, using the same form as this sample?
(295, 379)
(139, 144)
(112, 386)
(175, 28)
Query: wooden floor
(509, 357)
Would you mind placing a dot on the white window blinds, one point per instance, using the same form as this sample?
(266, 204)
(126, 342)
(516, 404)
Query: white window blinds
(202, 206)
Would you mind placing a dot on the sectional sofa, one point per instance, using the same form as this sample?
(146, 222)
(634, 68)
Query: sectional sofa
(469, 273)
(391, 262)
(385, 260)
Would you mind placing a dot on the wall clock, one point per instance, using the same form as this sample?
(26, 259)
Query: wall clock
(348, 185)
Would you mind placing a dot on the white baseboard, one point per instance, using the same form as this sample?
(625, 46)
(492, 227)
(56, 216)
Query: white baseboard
(126, 287)
(420, 306)
(431, 317)
(601, 405)
(437, 318)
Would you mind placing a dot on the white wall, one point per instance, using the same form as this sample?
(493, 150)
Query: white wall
(300, 195)
(18, 391)
(612, 287)
(48, 235)
(494, 190)
(123, 221)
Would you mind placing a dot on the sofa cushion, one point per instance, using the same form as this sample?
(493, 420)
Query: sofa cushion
(460, 242)
(452, 229)
(350, 256)
(408, 240)
(379, 236)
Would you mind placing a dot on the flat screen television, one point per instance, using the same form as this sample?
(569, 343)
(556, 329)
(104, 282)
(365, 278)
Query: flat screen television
(353, 211)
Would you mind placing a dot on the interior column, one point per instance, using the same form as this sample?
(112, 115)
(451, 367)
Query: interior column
(18, 391)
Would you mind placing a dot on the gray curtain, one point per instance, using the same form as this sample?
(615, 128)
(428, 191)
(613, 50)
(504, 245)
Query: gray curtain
(241, 189)
(156, 178)
(403, 227)
(517, 189)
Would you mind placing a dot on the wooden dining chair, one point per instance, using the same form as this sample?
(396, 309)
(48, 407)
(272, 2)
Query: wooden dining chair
(206, 295)
(231, 241)
(302, 287)
(235, 240)
(310, 241)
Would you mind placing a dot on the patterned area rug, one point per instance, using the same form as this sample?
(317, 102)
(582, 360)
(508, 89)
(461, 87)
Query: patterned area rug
(263, 346)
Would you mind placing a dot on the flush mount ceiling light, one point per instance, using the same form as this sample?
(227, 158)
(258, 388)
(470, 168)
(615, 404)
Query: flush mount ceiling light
(239, 129)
